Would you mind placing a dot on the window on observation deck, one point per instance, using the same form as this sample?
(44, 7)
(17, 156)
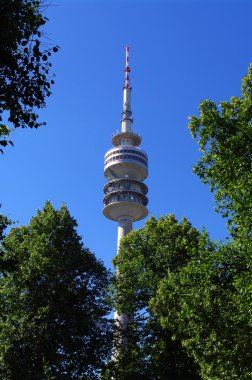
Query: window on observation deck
(126, 157)
(125, 197)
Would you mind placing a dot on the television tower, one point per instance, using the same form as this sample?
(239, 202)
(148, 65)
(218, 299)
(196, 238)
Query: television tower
(125, 169)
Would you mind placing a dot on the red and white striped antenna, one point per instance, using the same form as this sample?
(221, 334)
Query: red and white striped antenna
(127, 70)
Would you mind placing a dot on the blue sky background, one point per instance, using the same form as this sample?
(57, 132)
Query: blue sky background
(182, 52)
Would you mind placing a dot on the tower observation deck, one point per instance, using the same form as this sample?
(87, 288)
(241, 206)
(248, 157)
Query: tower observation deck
(125, 169)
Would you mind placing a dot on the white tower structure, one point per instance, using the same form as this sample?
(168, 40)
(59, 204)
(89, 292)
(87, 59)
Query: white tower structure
(125, 169)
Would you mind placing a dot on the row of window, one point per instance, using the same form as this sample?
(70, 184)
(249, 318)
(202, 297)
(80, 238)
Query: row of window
(125, 157)
(126, 186)
(126, 197)
(137, 152)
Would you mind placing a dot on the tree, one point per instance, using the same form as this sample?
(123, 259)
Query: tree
(191, 298)
(207, 305)
(145, 258)
(224, 135)
(24, 65)
(53, 312)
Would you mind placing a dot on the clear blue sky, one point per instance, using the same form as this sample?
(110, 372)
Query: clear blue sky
(182, 52)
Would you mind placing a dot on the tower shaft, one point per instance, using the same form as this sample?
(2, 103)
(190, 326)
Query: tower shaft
(124, 227)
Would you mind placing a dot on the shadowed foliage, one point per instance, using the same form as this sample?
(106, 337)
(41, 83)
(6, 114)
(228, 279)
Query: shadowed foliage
(25, 79)
(53, 321)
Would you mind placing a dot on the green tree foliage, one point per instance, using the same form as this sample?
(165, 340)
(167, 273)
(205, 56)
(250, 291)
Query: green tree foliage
(5, 264)
(207, 305)
(145, 258)
(224, 135)
(4, 222)
(53, 307)
(24, 64)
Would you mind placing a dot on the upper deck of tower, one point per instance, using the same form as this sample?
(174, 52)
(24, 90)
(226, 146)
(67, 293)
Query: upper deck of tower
(126, 138)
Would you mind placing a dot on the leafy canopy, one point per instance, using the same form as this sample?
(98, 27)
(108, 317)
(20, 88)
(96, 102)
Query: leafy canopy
(53, 311)
(224, 134)
(207, 305)
(24, 65)
(145, 258)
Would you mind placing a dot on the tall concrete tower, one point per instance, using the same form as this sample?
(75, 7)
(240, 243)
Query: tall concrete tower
(125, 169)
